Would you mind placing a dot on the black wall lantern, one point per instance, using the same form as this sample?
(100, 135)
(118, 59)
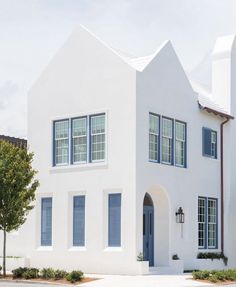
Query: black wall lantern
(180, 215)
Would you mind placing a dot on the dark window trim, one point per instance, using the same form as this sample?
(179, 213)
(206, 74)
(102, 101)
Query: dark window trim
(158, 139)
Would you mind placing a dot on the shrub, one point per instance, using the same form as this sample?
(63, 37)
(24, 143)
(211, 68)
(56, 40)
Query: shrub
(202, 275)
(18, 272)
(60, 274)
(31, 273)
(75, 276)
(47, 273)
(175, 257)
(0, 269)
(213, 278)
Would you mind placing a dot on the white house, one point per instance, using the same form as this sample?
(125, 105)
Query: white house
(125, 148)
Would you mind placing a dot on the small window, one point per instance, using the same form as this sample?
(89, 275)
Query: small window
(153, 137)
(46, 221)
(207, 223)
(114, 220)
(97, 135)
(167, 140)
(209, 143)
(79, 140)
(180, 143)
(61, 142)
(78, 220)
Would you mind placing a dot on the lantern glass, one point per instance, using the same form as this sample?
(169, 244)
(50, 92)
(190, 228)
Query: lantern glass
(180, 215)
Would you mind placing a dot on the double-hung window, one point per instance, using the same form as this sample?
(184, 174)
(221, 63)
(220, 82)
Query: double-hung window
(167, 140)
(209, 142)
(97, 136)
(207, 223)
(46, 221)
(154, 127)
(61, 142)
(180, 143)
(79, 140)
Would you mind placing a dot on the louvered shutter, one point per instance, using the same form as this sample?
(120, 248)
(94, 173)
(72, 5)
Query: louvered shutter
(78, 220)
(206, 141)
(114, 222)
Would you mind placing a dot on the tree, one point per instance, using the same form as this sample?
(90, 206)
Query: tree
(17, 189)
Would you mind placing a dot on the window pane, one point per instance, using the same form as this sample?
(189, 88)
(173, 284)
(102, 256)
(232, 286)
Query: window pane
(153, 124)
(166, 150)
(167, 128)
(78, 220)
(180, 131)
(153, 147)
(46, 221)
(114, 220)
(61, 129)
(98, 138)
(79, 141)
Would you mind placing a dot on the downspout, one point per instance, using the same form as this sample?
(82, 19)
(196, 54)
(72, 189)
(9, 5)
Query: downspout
(222, 180)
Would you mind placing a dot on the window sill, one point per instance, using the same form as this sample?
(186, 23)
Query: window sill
(77, 248)
(76, 167)
(45, 248)
(113, 249)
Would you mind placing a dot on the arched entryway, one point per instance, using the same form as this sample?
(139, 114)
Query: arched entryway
(148, 229)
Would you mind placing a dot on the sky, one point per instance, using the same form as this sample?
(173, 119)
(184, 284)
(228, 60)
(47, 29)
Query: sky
(31, 31)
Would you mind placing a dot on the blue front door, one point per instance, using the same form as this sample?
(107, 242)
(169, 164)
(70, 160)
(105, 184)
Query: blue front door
(148, 234)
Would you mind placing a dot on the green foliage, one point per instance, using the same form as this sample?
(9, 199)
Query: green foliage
(31, 273)
(212, 256)
(75, 276)
(17, 189)
(0, 269)
(175, 257)
(60, 274)
(17, 273)
(47, 273)
(216, 275)
(140, 257)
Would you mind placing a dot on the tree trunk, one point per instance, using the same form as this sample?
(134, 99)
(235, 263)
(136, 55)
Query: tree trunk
(4, 253)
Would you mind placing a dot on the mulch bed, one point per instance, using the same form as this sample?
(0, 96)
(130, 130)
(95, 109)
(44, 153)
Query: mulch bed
(56, 282)
(217, 283)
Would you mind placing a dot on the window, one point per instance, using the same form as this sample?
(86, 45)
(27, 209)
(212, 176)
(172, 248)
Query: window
(180, 143)
(46, 221)
(167, 140)
(78, 220)
(209, 142)
(97, 138)
(79, 140)
(61, 142)
(84, 142)
(114, 220)
(212, 225)
(153, 137)
(207, 222)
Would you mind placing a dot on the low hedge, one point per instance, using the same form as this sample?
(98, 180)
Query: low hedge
(215, 275)
(47, 273)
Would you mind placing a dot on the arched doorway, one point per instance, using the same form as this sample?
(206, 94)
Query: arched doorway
(148, 229)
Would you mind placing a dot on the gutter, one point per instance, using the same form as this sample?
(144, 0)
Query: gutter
(227, 118)
(222, 180)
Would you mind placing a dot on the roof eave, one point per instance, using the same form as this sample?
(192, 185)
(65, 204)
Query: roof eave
(215, 112)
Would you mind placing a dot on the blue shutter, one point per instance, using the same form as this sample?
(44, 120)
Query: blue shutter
(46, 221)
(206, 141)
(114, 220)
(78, 220)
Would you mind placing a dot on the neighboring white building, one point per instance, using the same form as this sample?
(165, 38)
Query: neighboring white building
(121, 145)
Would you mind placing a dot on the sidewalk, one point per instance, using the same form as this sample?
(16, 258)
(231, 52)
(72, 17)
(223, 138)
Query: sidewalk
(143, 281)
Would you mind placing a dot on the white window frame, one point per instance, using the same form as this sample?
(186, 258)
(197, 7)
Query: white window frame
(157, 136)
(214, 224)
(213, 144)
(64, 138)
(170, 139)
(182, 141)
(81, 136)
